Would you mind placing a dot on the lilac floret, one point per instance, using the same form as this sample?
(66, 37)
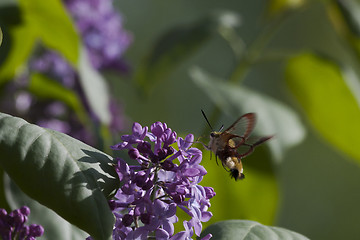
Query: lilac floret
(164, 181)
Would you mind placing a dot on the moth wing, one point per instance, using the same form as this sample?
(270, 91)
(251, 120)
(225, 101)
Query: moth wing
(249, 145)
(243, 126)
(258, 141)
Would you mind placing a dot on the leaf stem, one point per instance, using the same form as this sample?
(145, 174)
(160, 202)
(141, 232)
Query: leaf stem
(249, 57)
(254, 51)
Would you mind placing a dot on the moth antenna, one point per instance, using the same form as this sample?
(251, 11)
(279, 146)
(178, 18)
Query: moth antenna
(203, 113)
(221, 128)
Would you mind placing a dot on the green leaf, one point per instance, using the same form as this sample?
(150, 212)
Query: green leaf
(330, 97)
(178, 44)
(45, 88)
(350, 10)
(244, 230)
(17, 50)
(60, 172)
(44, 17)
(55, 226)
(274, 118)
(280, 6)
(38, 21)
(95, 89)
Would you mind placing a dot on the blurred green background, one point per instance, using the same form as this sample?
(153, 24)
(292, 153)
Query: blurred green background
(318, 184)
(299, 64)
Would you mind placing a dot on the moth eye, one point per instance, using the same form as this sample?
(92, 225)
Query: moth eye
(212, 134)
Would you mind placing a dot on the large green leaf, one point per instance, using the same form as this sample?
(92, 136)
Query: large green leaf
(330, 97)
(274, 118)
(51, 23)
(249, 230)
(60, 172)
(177, 44)
(95, 89)
(55, 226)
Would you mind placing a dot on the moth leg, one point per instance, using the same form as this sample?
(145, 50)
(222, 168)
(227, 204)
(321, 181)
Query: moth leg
(204, 145)
(216, 159)
(224, 166)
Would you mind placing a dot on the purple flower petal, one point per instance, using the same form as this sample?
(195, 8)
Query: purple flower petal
(121, 146)
(161, 234)
(194, 151)
(205, 216)
(207, 237)
(191, 172)
(157, 129)
(197, 227)
(168, 227)
(138, 130)
(180, 236)
(202, 170)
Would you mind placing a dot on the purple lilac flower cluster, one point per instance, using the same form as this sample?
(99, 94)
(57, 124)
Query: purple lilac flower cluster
(102, 32)
(12, 225)
(163, 181)
(105, 39)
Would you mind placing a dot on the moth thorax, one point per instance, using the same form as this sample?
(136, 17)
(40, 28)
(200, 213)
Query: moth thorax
(214, 141)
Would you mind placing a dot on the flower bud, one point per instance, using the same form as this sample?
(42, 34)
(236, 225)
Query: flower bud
(145, 218)
(134, 153)
(127, 220)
